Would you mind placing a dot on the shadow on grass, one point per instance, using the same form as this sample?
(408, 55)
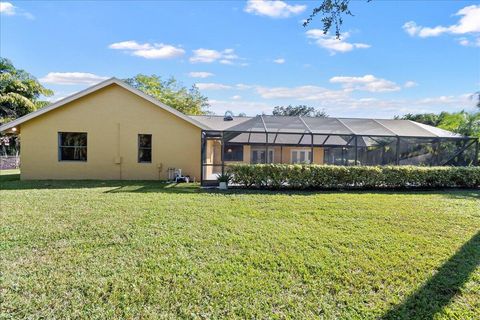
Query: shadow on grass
(440, 289)
(157, 187)
(12, 182)
(465, 194)
(9, 177)
(113, 186)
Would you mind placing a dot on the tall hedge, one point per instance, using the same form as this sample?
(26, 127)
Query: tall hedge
(306, 176)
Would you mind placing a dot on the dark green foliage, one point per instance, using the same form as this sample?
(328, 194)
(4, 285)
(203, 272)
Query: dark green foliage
(431, 119)
(339, 177)
(300, 110)
(465, 123)
(332, 12)
(172, 93)
(19, 92)
(225, 177)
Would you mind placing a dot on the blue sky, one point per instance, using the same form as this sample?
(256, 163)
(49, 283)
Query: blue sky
(249, 56)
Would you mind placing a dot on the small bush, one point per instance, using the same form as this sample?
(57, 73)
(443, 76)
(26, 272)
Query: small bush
(275, 176)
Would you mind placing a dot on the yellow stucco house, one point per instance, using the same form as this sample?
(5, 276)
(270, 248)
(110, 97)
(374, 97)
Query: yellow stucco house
(114, 131)
(108, 131)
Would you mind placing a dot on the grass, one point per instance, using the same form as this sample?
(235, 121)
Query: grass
(100, 250)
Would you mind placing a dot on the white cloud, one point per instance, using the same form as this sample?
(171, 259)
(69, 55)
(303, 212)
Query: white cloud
(414, 30)
(248, 107)
(469, 23)
(129, 45)
(366, 83)
(200, 74)
(333, 44)
(459, 101)
(279, 60)
(410, 84)
(212, 86)
(227, 56)
(162, 52)
(468, 42)
(72, 78)
(336, 102)
(222, 86)
(273, 8)
(148, 50)
(9, 9)
(243, 86)
(308, 92)
(205, 55)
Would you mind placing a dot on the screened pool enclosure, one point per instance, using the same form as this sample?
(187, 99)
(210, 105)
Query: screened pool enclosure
(334, 141)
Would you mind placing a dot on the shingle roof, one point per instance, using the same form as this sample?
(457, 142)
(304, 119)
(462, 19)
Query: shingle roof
(218, 123)
(94, 88)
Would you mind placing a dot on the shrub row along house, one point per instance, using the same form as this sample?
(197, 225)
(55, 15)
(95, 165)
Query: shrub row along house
(114, 131)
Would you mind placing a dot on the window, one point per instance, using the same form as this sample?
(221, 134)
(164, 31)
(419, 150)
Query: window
(145, 148)
(258, 156)
(339, 156)
(301, 156)
(233, 152)
(72, 146)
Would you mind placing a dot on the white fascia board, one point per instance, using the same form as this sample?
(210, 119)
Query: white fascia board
(94, 88)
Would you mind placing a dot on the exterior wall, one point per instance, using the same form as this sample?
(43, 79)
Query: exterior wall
(280, 154)
(287, 154)
(112, 117)
(318, 156)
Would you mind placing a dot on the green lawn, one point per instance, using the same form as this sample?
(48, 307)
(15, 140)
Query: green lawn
(98, 250)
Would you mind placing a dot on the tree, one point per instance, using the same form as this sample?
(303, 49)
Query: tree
(300, 110)
(332, 12)
(431, 119)
(476, 96)
(20, 92)
(465, 123)
(172, 93)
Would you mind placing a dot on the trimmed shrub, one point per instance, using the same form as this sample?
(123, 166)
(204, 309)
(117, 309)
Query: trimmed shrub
(297, 176)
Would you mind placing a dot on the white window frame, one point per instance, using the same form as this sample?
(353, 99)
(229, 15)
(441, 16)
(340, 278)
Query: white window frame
(263, 150)
(308, 155)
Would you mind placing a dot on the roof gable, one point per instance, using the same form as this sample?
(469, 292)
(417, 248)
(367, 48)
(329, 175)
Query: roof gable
(95, 88)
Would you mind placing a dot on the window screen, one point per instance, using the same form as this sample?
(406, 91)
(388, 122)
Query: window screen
(233, 152)
(301, 156)
(145, 148)
(72, 146)
(258, 156)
